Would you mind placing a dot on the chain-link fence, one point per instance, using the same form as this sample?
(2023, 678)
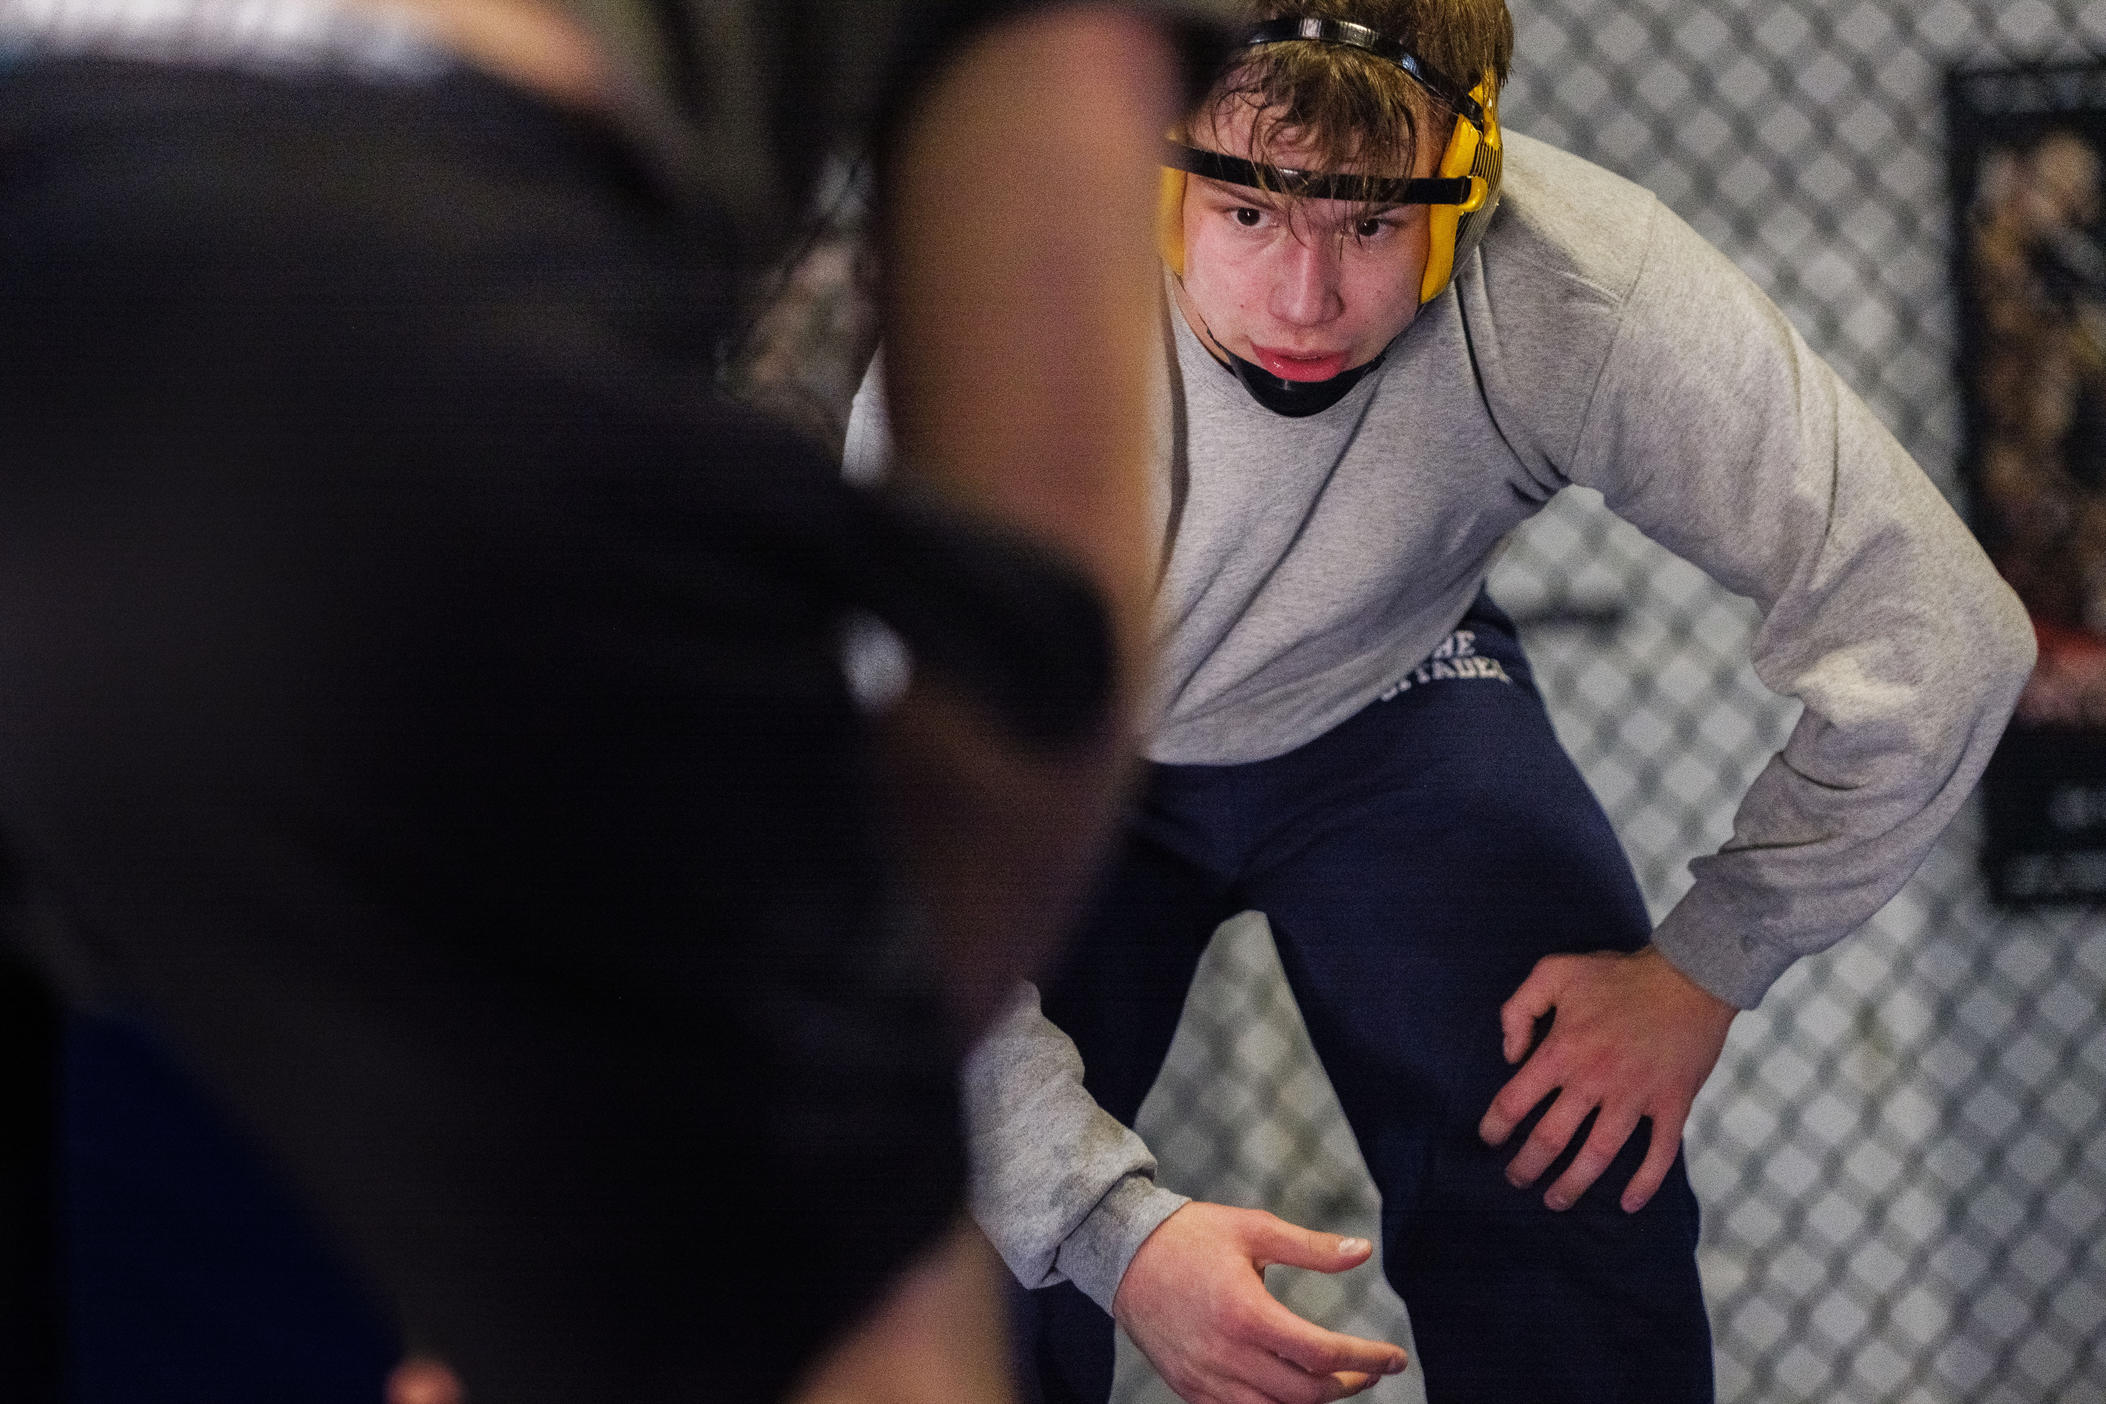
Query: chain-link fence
(1902, 1156)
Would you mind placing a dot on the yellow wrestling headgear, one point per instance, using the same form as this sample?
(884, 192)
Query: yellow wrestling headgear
(1461, 196)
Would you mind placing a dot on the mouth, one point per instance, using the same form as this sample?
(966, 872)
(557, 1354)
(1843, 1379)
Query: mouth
(1288, 365)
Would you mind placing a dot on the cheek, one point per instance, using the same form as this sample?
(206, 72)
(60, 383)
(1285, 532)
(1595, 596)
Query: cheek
(1386, 289)
(1408, 269)
(1220, 278)
(1399, 314)
(1388, 293)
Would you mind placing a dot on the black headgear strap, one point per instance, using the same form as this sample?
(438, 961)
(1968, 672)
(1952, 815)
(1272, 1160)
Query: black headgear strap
(1319, 185)
(1359, 36)
(1295, 399)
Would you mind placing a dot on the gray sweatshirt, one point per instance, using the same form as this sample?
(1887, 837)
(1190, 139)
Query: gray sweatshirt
(1595, 339)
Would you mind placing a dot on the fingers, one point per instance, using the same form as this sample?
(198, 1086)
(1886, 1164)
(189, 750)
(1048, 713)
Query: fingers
(1537, 1079)
(1659, 1159)
(1286, 1383)
(1194, 1300)
(1549, 1140)
(1517, 1017)
(1620, 1112)
(1318, 1351)
(1274, 1240)
(1611, 1129)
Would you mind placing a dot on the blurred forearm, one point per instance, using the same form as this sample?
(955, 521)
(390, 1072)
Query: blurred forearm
(1021, 308)
(1021, 299)
(938, 1336)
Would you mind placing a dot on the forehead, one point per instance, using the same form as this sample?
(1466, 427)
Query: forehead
(1230, 121)
(1237, 127)
(1241, 129)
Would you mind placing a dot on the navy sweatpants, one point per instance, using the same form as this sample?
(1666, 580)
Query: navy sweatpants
(1414, 863)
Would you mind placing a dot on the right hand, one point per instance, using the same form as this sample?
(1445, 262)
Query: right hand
(1194, 1300)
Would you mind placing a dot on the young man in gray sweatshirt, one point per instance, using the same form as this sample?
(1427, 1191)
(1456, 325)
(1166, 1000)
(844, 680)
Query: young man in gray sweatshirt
(1392, 335)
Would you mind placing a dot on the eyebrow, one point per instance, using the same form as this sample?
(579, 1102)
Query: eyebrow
(1280, 201)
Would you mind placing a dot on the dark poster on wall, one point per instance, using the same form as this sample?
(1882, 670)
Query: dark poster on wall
(2028, 152)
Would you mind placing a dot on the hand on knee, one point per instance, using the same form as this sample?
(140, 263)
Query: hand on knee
(1194, 1300)
(1630, 1038)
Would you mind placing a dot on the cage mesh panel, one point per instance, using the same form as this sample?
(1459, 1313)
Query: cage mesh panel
(1902, 1156)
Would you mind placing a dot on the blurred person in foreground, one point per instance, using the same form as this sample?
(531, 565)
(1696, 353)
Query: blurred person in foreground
(1391, 334)
(421, 691)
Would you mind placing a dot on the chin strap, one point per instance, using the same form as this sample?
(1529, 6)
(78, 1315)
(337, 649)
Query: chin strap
(1291, 399)
(1295, 398)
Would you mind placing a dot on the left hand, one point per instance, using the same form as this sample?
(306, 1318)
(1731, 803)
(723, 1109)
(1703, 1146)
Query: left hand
(1634, 1037)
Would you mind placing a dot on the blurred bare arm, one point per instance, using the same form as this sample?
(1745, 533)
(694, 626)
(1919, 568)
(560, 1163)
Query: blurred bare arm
(939, 1336)
(1020, 311)
(1022, 286)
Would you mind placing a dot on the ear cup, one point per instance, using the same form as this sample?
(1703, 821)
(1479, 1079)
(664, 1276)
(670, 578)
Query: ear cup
(1453, 230)
(1170, 220)
(1488, 166)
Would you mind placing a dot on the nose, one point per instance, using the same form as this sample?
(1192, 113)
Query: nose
(1305, 292)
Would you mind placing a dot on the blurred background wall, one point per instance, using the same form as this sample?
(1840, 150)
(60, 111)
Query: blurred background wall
(1902, 1157)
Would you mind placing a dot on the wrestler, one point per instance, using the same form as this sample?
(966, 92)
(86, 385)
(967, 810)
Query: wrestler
(1393, 332)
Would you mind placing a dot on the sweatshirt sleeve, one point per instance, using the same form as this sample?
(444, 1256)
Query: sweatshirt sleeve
(1715, 429)
(1063, 1191)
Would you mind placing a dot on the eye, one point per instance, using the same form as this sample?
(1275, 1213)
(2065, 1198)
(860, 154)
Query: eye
(1370, 228)
(1246, 217)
